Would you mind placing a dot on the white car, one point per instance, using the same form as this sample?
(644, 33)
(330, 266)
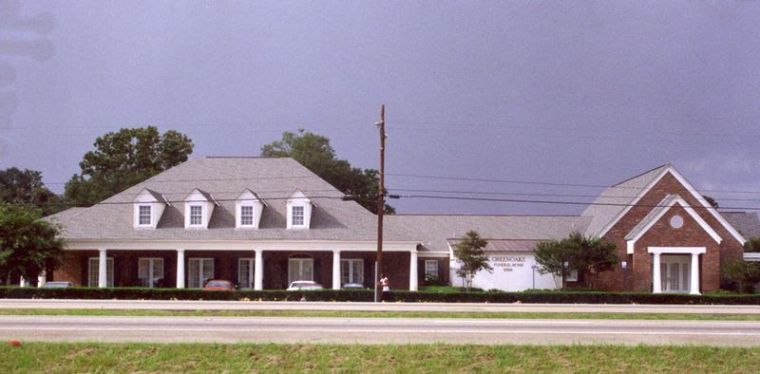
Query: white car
(304, 286)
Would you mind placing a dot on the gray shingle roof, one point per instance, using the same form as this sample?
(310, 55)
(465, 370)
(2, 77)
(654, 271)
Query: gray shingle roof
(746, 222)
(274, 180)
(434, 230)
(612, 201)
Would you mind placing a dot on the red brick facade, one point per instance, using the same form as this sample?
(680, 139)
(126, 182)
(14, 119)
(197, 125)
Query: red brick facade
(639, 277)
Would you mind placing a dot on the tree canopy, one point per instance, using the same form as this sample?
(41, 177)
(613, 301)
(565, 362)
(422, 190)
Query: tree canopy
(315, 153)
(471, 254)
(587, 255)
(124, 158)
(28, 245)
(26, 187)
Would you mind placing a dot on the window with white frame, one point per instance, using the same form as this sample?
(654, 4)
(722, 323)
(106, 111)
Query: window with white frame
(144, 215)
(199, 271)
(246, 215)
(245, 272)
(94, 272)
(300, 269)
(431, 270)
(351, 271)
(196, 215)
(297, 216)
(150, 271)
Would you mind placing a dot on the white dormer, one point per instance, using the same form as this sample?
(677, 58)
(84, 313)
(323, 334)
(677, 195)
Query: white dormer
(148, 208)
(199, 206)
(299, 211)
(248, 209)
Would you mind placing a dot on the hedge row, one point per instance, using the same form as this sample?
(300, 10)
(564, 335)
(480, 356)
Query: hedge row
(539, 297)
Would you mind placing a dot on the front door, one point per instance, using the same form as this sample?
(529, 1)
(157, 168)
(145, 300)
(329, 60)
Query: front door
(300, 269)
(675, 273)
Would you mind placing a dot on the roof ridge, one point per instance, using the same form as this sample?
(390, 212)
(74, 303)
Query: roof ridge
(667, 164)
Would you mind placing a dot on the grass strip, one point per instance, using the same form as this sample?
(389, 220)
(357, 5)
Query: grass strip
(437, 358)
(377, 314)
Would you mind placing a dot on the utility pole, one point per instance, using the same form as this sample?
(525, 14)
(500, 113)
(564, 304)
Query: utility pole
(380, 205)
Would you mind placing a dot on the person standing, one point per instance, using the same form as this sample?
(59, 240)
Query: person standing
(386, 288)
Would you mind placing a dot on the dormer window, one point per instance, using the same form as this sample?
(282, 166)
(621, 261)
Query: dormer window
(297, 216)
(148, 208)
(248, 210)
(199, 207)
(196, 215)
(246, 215)
(144, 215)
(299, 211)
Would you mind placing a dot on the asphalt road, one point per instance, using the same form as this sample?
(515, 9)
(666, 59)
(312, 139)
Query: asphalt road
(375, 331)
(364, 306)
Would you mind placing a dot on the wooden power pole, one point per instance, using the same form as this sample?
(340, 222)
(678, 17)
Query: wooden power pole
(380, 206)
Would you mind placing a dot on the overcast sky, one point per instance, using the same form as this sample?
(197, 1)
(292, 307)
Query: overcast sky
(576, 92)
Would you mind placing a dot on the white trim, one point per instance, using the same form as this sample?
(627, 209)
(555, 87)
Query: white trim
(676, 250)
(640, 231)
(752, 256)
(240, 245)
(688, 187)
(426, 254)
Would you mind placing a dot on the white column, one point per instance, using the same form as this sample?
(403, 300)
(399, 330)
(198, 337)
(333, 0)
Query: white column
(180, 268)
(41, 279)
(102, 268)
(258, 272)
(336, 270)
(22, 282)
(656, 276)
(694, 286)
(413, 270)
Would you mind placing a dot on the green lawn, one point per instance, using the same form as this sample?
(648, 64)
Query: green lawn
(378, 314)
(213, 358)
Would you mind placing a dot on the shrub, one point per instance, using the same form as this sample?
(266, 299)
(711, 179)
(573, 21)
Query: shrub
(743, 275)
(539, 297)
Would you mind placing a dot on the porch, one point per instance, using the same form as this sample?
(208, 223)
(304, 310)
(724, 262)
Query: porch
(248, 269)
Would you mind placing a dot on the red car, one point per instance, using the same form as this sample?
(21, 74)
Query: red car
(219, 285)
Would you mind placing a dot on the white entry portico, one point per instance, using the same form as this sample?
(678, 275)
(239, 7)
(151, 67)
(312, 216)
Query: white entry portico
(668, 271)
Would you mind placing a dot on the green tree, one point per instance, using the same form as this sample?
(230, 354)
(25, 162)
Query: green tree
(315, 153)
(122, 159)
(588, 255)
(742, 274)
(471, 254)
(28, 245)
(26, 187)
(752, 245)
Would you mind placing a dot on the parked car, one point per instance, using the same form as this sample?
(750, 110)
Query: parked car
(304, 286)
(353, 286)
(219, 285)
(57, 285)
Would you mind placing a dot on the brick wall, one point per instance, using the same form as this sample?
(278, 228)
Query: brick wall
(662, 235)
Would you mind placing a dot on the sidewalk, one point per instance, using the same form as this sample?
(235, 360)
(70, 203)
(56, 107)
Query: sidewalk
(364, 306)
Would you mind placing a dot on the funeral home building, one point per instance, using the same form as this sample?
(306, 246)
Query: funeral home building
(263, 223)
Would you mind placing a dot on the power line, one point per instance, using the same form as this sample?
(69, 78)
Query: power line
(533, 194)
(558, 202)
(541, 183)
